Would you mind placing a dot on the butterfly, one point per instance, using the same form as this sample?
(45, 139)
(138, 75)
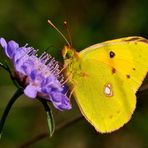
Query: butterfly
(104, 79)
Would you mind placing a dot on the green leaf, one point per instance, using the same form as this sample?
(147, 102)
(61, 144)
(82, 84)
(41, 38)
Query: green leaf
(50, 118)
(51, 123)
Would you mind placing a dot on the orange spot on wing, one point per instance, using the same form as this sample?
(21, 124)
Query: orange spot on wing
(84, 74)
(113, 70)
(111, 116)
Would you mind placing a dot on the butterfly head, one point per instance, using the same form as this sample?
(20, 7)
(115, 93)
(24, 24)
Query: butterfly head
(69, 53)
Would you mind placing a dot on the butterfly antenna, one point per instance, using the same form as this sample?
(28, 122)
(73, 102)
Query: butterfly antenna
(50, 23)
(68, 31)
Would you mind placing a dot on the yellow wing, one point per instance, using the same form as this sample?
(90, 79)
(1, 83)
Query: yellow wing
(105, 100)
(129, 56)
(106, 77)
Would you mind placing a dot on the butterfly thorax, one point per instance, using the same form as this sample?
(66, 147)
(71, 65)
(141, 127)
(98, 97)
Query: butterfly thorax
(71, 63)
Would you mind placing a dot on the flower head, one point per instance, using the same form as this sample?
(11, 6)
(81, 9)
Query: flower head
(40, 76)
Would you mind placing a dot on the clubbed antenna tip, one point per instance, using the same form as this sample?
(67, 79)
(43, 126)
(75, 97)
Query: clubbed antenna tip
(50, 23)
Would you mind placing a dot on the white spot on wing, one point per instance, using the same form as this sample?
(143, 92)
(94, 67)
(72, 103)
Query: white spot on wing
(108, 90)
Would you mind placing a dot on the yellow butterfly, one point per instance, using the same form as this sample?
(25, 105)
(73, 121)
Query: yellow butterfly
(104, 79)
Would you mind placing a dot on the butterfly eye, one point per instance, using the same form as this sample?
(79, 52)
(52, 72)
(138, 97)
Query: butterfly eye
(69, 54)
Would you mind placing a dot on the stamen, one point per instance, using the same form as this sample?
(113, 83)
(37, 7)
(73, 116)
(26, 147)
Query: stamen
(70, 92)
(55, 67)
(66, 94)
(31, 51)
(52, 64)
(61, 78)
(42, 55)
(44, 58)
(26, 45)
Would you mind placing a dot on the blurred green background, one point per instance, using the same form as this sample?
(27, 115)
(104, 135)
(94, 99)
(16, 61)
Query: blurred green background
(90, 22)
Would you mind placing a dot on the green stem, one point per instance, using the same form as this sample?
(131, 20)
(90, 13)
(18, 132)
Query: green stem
(50, 119)
(17, 94)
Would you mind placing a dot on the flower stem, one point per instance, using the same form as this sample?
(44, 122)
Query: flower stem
(50, 119)
(17, 94)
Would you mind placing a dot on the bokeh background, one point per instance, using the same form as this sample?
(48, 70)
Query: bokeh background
(90, 22)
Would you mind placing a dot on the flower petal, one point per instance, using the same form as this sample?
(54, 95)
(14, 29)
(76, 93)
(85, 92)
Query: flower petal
(20, 53)
(30, 91)
(11, 48)
(60, 101)
(3, 43)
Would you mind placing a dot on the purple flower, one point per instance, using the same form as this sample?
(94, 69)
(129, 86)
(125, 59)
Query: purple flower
(41, 74)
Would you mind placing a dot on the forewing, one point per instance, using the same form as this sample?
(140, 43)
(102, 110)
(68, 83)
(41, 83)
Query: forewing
(128, 56)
